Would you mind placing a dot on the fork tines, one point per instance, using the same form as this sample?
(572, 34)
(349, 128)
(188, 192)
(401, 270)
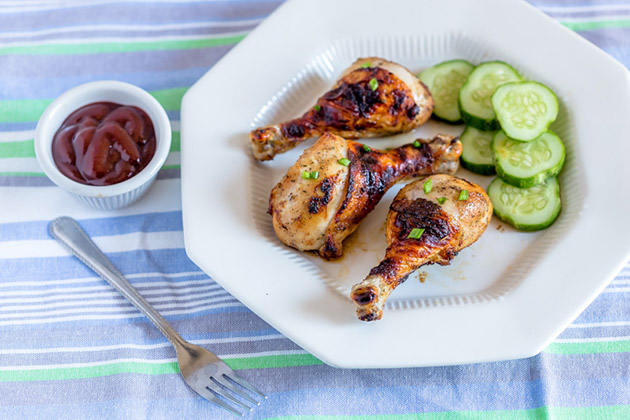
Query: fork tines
(222, 388)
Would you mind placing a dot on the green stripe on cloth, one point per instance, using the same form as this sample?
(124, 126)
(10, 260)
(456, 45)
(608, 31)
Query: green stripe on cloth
(597, 24)
(176, 142)
(589, 347)
(167, 167)
(121, 46)
(29, 110)
(170, 99)
(273, 361)
(40, 174)
(56, 374)
(26, 148)
(556, 413)
(22, 110)
(17, 149)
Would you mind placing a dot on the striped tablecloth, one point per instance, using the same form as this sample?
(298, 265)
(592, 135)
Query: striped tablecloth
(71, 348)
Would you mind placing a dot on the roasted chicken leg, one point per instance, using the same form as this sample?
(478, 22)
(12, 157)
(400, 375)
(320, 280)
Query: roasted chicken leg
(373, 97)
(422, 231)
(337, 182)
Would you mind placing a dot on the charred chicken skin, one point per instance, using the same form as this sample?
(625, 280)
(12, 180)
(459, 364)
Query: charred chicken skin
(372, 98)
(421, 231)
(337, 182)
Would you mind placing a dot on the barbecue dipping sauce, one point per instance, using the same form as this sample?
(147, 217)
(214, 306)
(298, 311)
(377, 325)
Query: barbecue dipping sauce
(104, 143)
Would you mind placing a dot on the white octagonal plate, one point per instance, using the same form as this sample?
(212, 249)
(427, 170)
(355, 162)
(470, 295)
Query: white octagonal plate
(505, 297)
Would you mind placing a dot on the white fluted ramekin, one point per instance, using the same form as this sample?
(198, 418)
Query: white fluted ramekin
(118, 195)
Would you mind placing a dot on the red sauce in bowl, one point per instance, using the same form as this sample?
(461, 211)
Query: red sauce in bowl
(104, 143)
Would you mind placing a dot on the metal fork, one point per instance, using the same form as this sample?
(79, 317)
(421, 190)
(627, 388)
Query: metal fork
(202, 370)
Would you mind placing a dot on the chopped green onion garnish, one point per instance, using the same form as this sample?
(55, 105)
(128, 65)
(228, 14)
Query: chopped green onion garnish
(366, 148)
(415, 233)
(310, 175)
(373, 83)
(344, 161)
(314, 175)
(416, 143)
(463, 195)
(366, 65)
(317, 108)
(428, 186)
(441, 200)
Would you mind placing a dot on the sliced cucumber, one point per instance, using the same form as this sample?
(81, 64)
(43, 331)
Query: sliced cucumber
(475, 95)
(525, 164)
(477, 154)
(525, 109)
(444, 80)
(530, 209)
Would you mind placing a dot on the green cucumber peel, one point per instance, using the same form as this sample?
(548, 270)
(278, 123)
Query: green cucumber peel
(477, 154)
(525, 110)
(444, 81)
(475, 96)
(527, 209)
(525, 164)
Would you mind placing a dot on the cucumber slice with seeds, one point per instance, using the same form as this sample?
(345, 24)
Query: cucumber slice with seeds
(475, 95)
(525, 109)
(444, 81)
(477, 155)
(525, 164)
(529, 209)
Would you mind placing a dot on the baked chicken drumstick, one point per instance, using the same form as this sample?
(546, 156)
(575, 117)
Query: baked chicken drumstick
(423, 228)
(337, 182)
(373, 97)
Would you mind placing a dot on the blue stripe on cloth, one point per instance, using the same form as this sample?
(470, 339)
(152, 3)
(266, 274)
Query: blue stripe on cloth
(26, 66)
(148, 341)
(330, 401)
(466, 397)
(605, 308)
(72, 334)
(173, 115)
(94, 280)
(139, 261)
(97, 319)
(595, 332)
(193, 20)
(621, 52)
(575, 3)
(146, 222)
(163, 350)
(52, 87)
(95, 34)
(130, 12)
(18, 126)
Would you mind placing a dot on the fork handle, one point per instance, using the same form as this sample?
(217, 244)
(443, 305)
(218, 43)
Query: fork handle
(68, 232)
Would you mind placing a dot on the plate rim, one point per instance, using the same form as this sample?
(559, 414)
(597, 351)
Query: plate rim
(621, 256)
